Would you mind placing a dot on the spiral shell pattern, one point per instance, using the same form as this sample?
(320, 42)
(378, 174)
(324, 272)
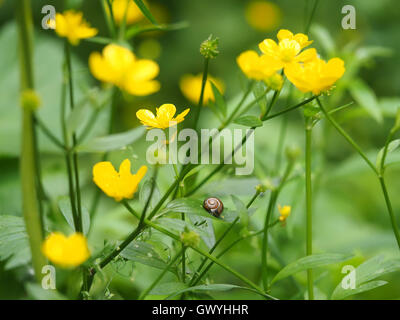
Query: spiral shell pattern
(214, 206)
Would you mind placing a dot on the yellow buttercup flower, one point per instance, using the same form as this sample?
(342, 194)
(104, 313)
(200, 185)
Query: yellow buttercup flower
(289, 48)
(133, 13)
(118, 185)
(284, 212)
(65, 251)
(119, 66)
(315, 76)
(263, 15)
(72, 26)
(164, 117)
(190, 86)
(257, 67)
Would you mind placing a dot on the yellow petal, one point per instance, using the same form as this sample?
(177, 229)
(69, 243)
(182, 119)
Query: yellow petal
(166, 112)
(284, 34)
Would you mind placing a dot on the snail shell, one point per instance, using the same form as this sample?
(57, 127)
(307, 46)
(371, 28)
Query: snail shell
(214, 206)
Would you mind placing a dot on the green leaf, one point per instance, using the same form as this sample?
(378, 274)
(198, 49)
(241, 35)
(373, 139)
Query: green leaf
(249, 121)
(366, 98)
(365, 272)
(259, 93)
(179, 226)
(64, 204)
(189, 206)
(220, 102)
(144, 253)
(77, 116)
(146, 12)
(323, 37)
(168, 288)
(111, 142)
(214, 287)
(205, 228)
(38, 293)
(145, 191)
(14, 244)
(310, 262)
(392, 146)
(136, 30)
(241, 210)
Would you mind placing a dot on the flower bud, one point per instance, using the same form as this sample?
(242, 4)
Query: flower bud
(190, 238)
(275, 82)
(292, 153)
(30, 100)
(209, 48)
(261, 188)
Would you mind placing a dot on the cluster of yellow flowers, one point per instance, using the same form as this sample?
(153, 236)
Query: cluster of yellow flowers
(304, 68)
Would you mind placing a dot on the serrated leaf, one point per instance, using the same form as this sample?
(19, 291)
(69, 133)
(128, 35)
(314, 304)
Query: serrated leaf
(144, 253)
(146, 12)
(111, 142)
(366, 98)
(219, 102)
(14, 244)
(365, 272)
(249, 121)
(64, 204)
(310, 262)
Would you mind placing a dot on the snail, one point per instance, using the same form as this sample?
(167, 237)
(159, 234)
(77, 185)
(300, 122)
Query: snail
(214, 206)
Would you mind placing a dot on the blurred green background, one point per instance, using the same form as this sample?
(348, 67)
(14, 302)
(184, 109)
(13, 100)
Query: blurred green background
(350, 214)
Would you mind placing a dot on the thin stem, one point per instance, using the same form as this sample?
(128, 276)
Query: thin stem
(48, 133)
(347, 137)
(158, 279)
(264, 250)
(267, 117)
(74, 140)
(390, 210)
(378, 172)
(109, 16)
(203, 86)
(239, 105)
(30, 205)
(314, 9)
(308, 132)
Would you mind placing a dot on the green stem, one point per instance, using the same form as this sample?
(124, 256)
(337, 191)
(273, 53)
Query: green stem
(201, 99)
(48, 133)
(314, 9)
(264, 250)
(239, 105)
(347, 137)
(158, 279)
(74, 139)
(390, 210)
(267, 117)
(30, 204)
(308, 132)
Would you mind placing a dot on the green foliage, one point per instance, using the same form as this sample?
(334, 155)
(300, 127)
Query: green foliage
(14, 245)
